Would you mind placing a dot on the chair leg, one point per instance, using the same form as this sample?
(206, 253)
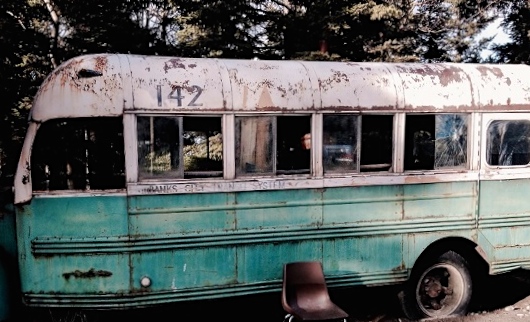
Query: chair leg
(289, 318)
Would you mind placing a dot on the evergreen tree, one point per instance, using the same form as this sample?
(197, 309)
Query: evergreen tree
(516, 24)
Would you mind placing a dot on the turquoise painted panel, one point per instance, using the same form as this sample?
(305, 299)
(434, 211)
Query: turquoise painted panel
(66, 222)
(504, 221)
(443, 200)
(279, 209)
(370, 203)
(504, 197)
(172, 214)
(508, 237)
(75, 274)
(415, 244)
(190, 268)
(363, 255)
(75, 216)
(264, 262)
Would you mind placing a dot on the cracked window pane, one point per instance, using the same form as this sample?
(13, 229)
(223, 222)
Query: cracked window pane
(508, 143)
(451, 141)
(436, 141)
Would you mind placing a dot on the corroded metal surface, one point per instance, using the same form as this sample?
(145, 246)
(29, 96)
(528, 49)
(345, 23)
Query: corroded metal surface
(161, 84)
(67, 92)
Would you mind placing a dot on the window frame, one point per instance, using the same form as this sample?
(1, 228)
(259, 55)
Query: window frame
(277, 173)
(132, 145)
(92, 177)
(470, 141)
(487, 120)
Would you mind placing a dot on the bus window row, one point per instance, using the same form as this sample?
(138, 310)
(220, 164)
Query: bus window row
(87, 154)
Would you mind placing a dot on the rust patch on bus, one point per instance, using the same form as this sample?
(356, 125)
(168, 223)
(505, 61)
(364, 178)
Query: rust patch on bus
(92, 273)
(446, 75)
(101, 63)
(493, 70)
(173, 63)
(337, 77)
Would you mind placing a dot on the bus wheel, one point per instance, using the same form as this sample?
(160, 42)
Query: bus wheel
(438, 287)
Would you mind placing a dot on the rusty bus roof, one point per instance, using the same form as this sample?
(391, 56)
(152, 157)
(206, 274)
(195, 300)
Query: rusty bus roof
(113, 84)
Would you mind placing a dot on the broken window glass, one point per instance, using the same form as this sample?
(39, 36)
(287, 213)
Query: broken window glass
(508, 143)
(435, 141)
(451, 141)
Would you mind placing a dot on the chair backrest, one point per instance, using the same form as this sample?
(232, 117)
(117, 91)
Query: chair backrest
(304, 273)
(301, 280)
(305, 294)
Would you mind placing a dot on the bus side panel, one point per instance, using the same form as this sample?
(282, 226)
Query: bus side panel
(437, 211)
(504, 222)
(9, 278)
(179, 240)
(166, 215)
(283, 225)
(241, 237)
(73, 245)
(359, 219)
(450, 201)
(367, 260)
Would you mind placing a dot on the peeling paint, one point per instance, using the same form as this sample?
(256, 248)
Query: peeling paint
(290, 86)
(173, 63)
(92, 273)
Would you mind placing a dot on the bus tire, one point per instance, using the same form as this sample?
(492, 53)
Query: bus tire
(438, 287)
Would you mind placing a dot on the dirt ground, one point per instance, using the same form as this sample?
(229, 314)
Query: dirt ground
(505, 298)
(519, 312)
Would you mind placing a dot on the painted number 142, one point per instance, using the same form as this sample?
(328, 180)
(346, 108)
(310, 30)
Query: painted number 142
(178, 95)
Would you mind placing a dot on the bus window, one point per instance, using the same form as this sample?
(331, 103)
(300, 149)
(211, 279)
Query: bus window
(508, 143)
(179, 147)
(203, 147)
(254, 145)
(293, 142)
(435, 141)
(79, 154)
(259, 138)
(158, 146)
(376, 142)
(340, 143)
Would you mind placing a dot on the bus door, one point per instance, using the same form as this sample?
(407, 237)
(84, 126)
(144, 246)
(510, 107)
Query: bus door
(504, 206)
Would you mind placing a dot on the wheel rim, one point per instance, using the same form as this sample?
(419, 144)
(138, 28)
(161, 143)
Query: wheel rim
(440, 290)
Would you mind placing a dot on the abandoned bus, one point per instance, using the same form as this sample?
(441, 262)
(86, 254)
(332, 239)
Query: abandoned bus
(150, 180)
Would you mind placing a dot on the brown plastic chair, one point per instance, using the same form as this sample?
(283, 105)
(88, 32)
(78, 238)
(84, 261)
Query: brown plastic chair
(305, 295)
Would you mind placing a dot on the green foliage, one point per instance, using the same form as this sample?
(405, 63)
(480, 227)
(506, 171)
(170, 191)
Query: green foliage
(517, 25)
(204, 154)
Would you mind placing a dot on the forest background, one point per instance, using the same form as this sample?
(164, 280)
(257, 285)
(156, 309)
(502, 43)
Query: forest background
(38, 35)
